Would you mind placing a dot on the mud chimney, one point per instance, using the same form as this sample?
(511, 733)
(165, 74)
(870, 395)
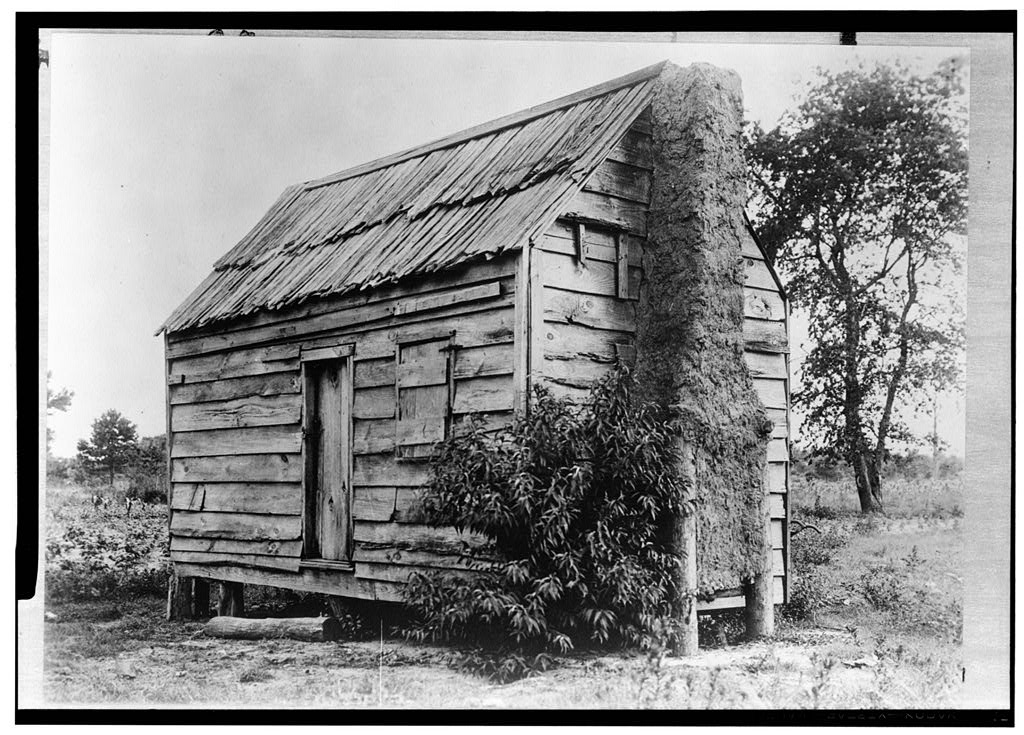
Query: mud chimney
(690, 340)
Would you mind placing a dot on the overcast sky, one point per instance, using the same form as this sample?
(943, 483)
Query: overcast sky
(166, 150)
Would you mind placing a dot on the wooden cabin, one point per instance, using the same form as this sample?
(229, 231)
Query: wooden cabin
(369, 312)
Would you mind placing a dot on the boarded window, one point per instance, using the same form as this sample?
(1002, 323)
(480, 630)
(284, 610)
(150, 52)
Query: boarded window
(423, 387)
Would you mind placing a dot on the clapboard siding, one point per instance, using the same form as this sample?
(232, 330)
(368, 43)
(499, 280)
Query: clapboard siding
(250, 411)
(470, 274)
(233, 388)
(284, 563)
(252, 497)
(594, 277)
(621, 179)
(286, 439)
(271, 547)
(249, 526)
(238, 468)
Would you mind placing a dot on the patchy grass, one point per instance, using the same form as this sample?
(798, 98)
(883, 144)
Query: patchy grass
(875, 622)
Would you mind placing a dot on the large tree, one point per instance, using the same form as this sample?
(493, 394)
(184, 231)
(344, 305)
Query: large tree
(114, 443)
(860, 193)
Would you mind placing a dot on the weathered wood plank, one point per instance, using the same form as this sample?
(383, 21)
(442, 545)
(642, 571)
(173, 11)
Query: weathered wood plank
(777, 505)
(415, 536)
(600, 243)
(589, 310)
(263, 497)
(593, 277)
(374, 403)
(267, 547)
(253, 440)
(381, 470)
(634, 148)
(237, 413)
(749, 247)
(373, 436)
(419, 430)
(777, 477)
(771, 391)
(286, 563)
(621, 180)
(432, 370)
(415, 557)
(448, 298)
(488, 325)
(234, 364)
(373, 503)
(493, 393)
(238, 468)
(270, 384)
(249, 526)
(630, 216)
(468, 274)
(400, 573)
(778, 560)
(358, 318)
(781, 422)
(724, 602)
(475, 362)
(579, 372)
(778, 450)
(374, 373)
(761, 304)
(323, 581)
(766, 364)
(573, 341)
(765, 336)
(758, 274)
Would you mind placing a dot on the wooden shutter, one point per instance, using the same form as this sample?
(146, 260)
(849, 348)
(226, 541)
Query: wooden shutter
(423, 394)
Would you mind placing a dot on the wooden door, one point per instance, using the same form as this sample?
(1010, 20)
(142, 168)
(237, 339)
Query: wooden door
(329, 460)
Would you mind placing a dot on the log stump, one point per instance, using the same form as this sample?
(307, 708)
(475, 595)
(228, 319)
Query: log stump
(301, 629)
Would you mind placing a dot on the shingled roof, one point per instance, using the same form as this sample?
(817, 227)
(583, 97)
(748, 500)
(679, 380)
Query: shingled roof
(475, 194)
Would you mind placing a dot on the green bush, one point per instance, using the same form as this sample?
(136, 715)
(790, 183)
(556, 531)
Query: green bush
(573, 500)
(108, 554)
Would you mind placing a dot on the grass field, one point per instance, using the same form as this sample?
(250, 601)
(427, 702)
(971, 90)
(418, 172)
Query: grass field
(874, 622)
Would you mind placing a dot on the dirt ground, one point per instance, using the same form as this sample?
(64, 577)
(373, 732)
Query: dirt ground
(874, 621)
(849, 654)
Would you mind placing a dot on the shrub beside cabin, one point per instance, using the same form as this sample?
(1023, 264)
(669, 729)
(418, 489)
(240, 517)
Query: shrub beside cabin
(369, 313)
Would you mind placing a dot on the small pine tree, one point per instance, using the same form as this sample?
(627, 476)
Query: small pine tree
(114, 443)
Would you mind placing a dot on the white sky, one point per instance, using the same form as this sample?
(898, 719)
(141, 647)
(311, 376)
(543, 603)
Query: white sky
(166, 150)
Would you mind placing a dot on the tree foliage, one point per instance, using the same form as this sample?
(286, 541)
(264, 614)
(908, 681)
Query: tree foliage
(573, 501)
(113, 444)
(860, 194)
(55, 401)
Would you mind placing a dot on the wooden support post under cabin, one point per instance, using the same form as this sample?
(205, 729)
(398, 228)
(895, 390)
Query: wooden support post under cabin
(300, 629)
(685, 542)
(179, 597)
(759, 592)
(231, 601)
(200, 598)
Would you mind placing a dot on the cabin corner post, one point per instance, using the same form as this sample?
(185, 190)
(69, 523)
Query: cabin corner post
(689, 355)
